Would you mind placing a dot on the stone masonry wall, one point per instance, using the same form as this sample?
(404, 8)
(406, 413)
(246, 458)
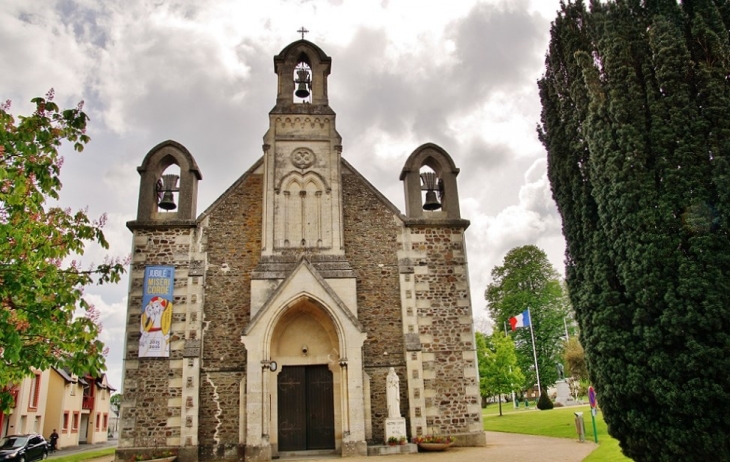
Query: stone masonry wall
(223, 407)
(371, 231)
(446, 331)
(153, 386)
(232, 240)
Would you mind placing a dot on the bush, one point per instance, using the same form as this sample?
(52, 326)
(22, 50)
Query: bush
(544, 402)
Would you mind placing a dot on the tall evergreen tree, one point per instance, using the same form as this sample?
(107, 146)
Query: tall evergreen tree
(636, 122)
(527, 280)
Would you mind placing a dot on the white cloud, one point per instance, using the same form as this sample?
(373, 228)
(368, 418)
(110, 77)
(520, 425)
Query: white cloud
(533, 220)
(113, 320)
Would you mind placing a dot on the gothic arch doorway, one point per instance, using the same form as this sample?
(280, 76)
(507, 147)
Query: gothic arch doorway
(305, 344)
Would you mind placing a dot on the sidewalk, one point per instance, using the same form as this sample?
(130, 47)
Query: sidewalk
(500, 447)
(67, 451)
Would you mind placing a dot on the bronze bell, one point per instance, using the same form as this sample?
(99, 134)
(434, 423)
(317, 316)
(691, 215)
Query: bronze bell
(429, 184)
(302, 82)
(302, 91)
(169, 185)
(431, 202)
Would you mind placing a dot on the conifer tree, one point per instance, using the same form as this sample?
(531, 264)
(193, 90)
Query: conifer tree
(636, 122)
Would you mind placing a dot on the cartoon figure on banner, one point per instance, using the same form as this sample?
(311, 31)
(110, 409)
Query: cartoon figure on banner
(155, 327)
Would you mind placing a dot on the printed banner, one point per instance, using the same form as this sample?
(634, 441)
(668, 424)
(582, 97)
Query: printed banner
(159, 282)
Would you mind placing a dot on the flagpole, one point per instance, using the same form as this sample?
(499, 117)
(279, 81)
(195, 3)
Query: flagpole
(534, 353)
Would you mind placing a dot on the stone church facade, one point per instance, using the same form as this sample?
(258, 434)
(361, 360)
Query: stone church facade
(294, 294)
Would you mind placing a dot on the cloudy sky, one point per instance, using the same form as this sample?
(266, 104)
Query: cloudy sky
(459, 73)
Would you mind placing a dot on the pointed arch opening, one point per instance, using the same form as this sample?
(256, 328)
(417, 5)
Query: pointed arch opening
(306, 391)
(303, 80)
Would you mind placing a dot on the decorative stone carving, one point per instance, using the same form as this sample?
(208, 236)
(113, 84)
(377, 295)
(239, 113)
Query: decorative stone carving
(303, 158)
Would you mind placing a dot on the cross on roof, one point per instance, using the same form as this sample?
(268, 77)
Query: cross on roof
(303, 31)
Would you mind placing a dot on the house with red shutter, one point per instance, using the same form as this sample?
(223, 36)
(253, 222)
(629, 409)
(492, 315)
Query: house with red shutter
(54, 399)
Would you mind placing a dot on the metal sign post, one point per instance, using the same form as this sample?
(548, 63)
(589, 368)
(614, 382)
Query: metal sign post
(592, 401)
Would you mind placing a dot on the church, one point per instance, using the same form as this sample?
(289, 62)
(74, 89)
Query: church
(267, 325)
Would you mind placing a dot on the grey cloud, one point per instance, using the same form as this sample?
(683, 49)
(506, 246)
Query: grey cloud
(497, 48)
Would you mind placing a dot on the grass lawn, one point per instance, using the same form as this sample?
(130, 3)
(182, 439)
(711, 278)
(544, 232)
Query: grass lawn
(85, 455)
(557, 423)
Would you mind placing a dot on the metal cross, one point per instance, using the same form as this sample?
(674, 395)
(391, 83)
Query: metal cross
(303, 31)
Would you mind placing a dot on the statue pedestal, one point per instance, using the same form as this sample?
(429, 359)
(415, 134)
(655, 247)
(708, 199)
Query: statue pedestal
(395, 427)
(563, 393)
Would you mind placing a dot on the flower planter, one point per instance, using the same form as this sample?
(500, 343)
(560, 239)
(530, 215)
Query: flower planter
(434, 446)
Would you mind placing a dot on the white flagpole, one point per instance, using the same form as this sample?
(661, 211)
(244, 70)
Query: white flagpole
(534, 353)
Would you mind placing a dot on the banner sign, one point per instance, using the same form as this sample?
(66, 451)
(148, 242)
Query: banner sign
(159, 282)
(592, 396)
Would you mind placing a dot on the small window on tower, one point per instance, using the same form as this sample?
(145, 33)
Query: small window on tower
(302, 83)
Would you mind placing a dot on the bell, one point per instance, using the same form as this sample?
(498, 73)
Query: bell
(169, 184)
(302, 82)
(302, 91)
(429, 184)
(431, 202)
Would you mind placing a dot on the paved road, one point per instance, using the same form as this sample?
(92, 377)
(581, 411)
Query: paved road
(506, 447)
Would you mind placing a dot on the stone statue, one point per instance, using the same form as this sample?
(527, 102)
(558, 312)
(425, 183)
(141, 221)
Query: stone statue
(393, 394)
(561, 372)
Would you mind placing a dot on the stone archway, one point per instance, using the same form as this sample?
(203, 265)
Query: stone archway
(290, 319)
(306, 390)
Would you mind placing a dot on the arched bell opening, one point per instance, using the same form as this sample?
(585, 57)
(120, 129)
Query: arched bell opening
(303, 80)
(299, 61)
(168, 185)
(432, 189)
(167, 190)
(306, 389)
(429, 180)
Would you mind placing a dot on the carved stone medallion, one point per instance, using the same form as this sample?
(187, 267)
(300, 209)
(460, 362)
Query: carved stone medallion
(302, 158)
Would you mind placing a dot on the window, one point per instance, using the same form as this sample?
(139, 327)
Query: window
(98, 421)
(75, 425)
(73, 389)
(106, 421)
(35, 388)
(65, 422)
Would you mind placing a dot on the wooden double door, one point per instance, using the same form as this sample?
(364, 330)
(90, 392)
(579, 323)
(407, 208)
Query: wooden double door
(305, 408)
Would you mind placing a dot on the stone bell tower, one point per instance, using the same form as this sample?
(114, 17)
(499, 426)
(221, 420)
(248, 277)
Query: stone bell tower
(302, 159)
(304, 338)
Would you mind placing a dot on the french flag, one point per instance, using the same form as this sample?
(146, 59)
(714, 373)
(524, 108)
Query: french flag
(521, 320)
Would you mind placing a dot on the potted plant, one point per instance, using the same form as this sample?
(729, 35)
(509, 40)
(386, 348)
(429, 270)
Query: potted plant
(433, 442)
(402, 440)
